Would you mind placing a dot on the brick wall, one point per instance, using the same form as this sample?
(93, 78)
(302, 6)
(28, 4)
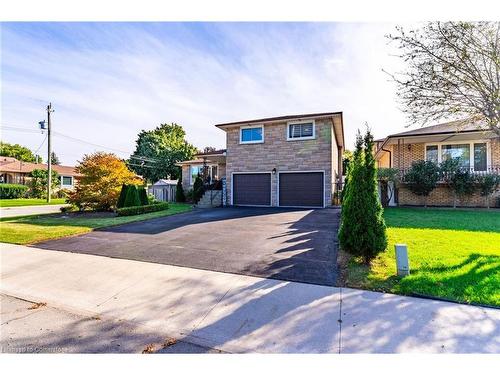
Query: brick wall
(277, 152)
(443, 196)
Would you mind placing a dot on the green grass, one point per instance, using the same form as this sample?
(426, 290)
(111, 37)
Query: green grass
(29, 202)
(454, 254)
(31, 229)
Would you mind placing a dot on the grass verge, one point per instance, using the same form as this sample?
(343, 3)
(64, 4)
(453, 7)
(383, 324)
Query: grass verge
(30, 202)
(31, 229)
(454, 254)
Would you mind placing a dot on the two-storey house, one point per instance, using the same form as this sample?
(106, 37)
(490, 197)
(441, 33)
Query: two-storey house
(286, 161)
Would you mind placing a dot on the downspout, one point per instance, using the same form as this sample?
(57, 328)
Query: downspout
(390, 155)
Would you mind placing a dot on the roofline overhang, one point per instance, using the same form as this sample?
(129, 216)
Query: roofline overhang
(307, 116)
(427, 135)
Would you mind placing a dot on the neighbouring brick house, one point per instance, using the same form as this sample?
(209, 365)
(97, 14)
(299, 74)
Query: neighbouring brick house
(286, 161)
(13, 171)
(478, 150)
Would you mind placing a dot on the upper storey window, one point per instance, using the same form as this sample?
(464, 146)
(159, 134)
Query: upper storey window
(301, 130)
(252, 134)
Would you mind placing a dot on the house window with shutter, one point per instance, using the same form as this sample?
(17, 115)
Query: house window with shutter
(300, 131)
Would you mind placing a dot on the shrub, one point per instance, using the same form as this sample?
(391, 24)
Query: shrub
(488, 184)
(460, 180)
(121, 198)
(197, 189)
(422, 178)
(179, 192)
(132, 197)
(138, 210)
(362, 230)
(143, 195)
(12, 191)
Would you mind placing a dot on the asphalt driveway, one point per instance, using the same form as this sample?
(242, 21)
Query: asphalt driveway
(284, 244)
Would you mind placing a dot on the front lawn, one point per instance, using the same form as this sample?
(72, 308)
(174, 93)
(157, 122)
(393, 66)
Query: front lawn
(26, 230)
(29, 202)
(453, 254)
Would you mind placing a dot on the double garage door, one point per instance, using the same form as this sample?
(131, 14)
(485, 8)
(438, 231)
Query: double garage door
(304, 189)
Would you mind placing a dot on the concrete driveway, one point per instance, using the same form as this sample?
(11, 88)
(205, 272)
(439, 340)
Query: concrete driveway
(284, 244)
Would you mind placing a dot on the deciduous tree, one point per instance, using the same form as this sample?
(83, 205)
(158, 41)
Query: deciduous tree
(158, 150)
(17, 151)
(103, 175)
(452, 71)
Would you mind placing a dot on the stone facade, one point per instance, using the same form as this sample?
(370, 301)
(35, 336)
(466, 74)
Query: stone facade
(319, 154)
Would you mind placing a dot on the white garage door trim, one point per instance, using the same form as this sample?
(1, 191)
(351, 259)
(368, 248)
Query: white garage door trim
(312, 171)
(254, 205)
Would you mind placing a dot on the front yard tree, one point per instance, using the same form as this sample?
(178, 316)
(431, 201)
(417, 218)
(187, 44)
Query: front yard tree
(452, 70)
(103, 175)
(422, 178)
(158, 150)
(362, 231)
(38, 183)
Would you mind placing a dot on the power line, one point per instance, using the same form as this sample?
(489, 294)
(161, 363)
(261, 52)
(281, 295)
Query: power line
(59, 134)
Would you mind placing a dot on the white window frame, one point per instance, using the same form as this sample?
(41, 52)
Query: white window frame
(471, 151)
(191, 181)
(261, 126)
(290, 123)
(65, 185)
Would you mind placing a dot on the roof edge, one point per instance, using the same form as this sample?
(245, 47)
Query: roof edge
(279, 118)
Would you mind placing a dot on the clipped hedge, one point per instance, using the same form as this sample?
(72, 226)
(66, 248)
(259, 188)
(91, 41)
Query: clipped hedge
(12, 191)
(138, 210)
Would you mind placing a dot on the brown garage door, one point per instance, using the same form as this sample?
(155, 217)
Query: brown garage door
(301, 189)
(252, 189)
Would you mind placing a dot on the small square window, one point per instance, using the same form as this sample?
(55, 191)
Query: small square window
(67, 181)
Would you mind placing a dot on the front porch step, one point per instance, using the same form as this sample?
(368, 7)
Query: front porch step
(211, 198)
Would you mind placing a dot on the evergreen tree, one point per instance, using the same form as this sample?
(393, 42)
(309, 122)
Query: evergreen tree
(179, 192)
(121, 198)
(362, 230)
(197, 189)
(132, 198)
(143, 196)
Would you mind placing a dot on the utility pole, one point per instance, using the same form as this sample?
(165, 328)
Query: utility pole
(49, 151)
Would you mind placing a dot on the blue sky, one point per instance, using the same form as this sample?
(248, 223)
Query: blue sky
(107, 81)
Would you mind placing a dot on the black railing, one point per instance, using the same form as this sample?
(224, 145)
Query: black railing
(495, 170)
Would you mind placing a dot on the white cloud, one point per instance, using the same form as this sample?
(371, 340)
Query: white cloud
(112, 81)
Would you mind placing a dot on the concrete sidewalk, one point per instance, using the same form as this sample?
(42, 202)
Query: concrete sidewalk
(30, 210)
(237, 313)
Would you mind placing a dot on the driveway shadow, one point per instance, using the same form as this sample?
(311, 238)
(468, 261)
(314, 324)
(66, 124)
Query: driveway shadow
(285, 244)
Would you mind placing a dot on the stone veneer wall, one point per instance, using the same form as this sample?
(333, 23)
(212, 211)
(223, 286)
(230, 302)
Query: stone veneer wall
(277, 152)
